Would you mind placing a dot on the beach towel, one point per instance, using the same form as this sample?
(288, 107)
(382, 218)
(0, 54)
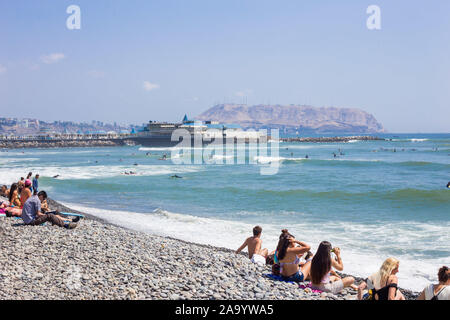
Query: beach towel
(309, 286)
(301, 286)
(277, 278)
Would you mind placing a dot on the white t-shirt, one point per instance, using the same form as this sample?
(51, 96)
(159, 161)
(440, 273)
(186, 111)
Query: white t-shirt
(443, 295)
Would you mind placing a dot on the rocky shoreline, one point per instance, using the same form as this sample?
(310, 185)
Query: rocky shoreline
(98, 260)
(60, 143)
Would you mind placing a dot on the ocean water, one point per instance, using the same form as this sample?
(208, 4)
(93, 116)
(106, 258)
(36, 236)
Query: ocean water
(370, 201)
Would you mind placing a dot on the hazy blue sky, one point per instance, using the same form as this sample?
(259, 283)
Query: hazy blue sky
(133, 61)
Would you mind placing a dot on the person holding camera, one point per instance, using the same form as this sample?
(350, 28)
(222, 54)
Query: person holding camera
(321, 267)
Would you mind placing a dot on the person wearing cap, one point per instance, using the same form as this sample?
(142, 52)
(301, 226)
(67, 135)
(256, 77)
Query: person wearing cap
(26, 192)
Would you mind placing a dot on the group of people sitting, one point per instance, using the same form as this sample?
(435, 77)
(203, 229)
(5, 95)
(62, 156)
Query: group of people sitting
(293, 261)
(30, 204)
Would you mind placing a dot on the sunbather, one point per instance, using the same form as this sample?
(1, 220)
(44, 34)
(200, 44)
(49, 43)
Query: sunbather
(440, 291)
(382, 285)
(4, 192)
(32, 215)
(254, 243)
(26, 192)
(288, 254)
(321, 267)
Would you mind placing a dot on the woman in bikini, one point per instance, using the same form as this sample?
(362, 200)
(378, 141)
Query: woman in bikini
(288, 254)
(14, 202)
(321, 267)
(383, 284)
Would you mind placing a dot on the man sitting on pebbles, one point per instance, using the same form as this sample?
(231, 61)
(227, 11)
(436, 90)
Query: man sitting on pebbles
(32, 215)
(254, 247)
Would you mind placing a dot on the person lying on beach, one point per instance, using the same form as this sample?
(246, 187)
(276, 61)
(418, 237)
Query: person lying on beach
(32, 215)
(440, 291)
(254, 243)
(288, 254)
(3, 205)
(382, 285)
(321, 267)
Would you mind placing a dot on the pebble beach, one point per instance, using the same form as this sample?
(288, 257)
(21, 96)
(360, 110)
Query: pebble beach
(98, 260)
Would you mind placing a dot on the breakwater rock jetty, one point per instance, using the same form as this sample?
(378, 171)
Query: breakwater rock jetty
(331, 139)
(62, 143)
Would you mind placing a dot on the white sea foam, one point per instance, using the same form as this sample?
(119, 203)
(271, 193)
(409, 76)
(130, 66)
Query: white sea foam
(410, 140)
(9, 175)
(268, 159)
(364, 247)
(418, 140)
(20, 161)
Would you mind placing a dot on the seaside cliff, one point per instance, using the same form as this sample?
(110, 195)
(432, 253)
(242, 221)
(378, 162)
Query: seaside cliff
(295, 119)
(98, 260)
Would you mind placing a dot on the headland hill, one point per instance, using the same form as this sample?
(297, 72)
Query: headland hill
(345, 124)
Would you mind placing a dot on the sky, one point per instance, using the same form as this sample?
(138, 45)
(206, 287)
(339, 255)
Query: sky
(135, 61)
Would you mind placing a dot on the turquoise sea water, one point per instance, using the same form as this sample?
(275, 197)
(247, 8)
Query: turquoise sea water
(370, 201)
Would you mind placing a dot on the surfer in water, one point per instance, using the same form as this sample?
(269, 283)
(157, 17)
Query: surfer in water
(176, 176)
(448, 185)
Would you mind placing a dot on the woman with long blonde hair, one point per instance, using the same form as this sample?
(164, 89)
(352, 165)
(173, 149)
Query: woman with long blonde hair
(383, 284)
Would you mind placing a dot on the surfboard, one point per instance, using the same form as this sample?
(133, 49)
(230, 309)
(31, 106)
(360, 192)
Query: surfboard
(69, 214)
